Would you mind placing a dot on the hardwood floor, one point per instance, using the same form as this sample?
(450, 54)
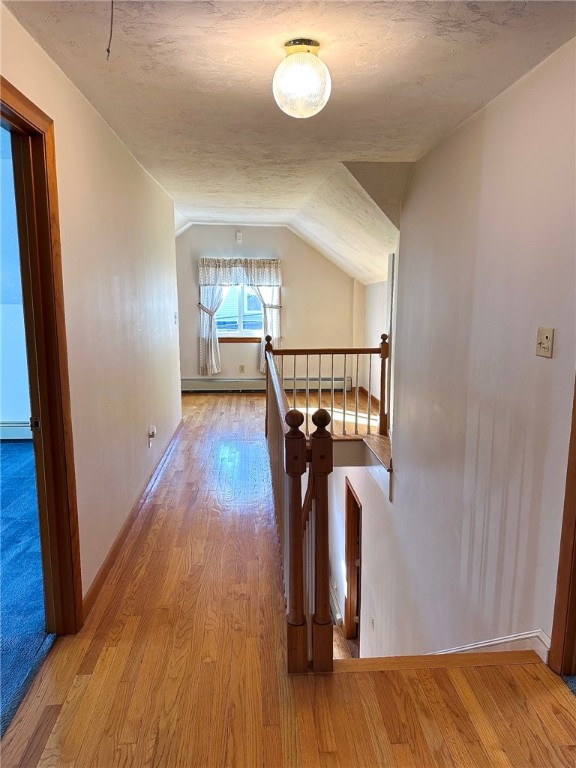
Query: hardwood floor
(182, 661)
(356, 421)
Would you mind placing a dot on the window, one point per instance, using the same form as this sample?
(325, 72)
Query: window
(240, 313)
(239, 300)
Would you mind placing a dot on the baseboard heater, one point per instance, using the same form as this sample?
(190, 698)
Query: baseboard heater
(259, 385)
(15, 430)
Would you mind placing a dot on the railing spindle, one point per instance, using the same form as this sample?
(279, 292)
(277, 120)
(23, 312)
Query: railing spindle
(319, 381)
(369, 394)
(357, 393)
(383, 420)
(344, 399)
(332, 399)
(294, 385)
(307, 392)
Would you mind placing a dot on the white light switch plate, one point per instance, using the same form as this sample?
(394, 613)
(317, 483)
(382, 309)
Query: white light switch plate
(545, 342)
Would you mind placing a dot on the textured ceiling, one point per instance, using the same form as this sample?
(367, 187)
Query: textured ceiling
(188, 89)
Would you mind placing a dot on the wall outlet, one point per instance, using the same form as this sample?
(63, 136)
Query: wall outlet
(545, 342)
(242, 368)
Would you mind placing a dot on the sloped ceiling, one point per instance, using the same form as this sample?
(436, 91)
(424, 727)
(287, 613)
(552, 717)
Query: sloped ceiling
(188, 89)
(345, 222)
(386, 184)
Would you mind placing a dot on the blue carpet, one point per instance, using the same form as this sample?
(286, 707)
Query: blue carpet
(570, 681)
(23, 639)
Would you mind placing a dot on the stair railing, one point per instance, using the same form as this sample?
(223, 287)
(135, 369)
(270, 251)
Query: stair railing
(302, 524)
(302, 520)
(333, 379)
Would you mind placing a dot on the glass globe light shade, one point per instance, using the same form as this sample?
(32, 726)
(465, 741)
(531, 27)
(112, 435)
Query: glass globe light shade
(301, 84)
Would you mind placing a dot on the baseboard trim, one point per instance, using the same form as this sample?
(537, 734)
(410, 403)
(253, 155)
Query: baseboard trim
(374, 400)
(96, 586)
(436, 661)
(536, 640)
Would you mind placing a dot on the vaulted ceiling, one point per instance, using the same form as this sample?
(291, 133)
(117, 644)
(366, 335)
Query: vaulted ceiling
(188, 89)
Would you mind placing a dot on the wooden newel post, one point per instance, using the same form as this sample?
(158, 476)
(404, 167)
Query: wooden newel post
(297, 634)
(322, 463)
(384, 353)
(267, 348)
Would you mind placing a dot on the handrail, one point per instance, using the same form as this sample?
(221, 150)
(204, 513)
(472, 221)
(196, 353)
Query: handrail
(329, 351)
(281, 399)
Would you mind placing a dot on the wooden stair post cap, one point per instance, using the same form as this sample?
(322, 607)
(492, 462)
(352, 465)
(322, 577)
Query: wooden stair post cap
(295, 418)
(321, 418)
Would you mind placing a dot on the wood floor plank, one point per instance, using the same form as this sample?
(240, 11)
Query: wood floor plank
(325, 735)
(381, 745)
(302, 687)
(108, 749)
(431, 731)
(40, 736)
(353, 740)
(514, 705)
(104, 703)
(551, 714)
(53, 753)
(461, 725)
(516, 745)
(182, 662)
(482, 718)
(455, 726)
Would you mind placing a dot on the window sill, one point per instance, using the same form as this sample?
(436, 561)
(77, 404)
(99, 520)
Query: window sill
(239, 339)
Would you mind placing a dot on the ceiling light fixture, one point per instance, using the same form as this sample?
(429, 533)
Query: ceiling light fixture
(302, 82)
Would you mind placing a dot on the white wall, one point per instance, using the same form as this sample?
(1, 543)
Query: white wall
(468, 549)
(355, 462)
(317, 297)
(119, 272)
(375, 324)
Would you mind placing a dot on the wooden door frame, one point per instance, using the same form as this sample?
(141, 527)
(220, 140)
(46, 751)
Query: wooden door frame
(562, 656)
(352, 549)
(40, 255)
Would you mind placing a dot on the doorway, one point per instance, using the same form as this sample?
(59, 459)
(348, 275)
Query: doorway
(24, 641)
(47, 470)
(353, 550)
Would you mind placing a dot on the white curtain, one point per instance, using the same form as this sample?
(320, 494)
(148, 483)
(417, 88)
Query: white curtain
(270, 298)
(215, 275)
(211, 296)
